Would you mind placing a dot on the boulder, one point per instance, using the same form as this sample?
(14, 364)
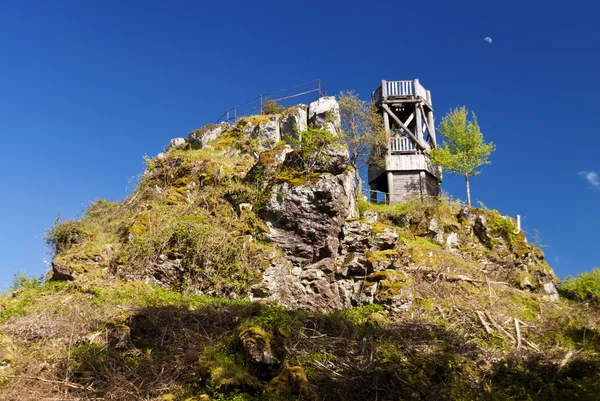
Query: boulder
(257, 345)
(290, 384)
(60, 273)
(551, 292)
(292, 122)
(176, 143)
(200, 137)
(324, 113)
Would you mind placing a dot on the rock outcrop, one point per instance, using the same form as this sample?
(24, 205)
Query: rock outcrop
(201, 137)
(291, 217)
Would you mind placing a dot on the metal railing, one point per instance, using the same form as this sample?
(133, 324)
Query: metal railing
(257, 104)
(381, 198)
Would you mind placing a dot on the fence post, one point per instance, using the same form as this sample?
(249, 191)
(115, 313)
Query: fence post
(261, 104)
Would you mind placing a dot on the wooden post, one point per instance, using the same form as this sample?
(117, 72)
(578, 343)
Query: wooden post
(431, 128)
(518, 223)
(373, 194)
(390, 180)
(383, 92)
(419, 123)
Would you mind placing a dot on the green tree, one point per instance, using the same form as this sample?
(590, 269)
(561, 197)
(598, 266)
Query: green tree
(363, 132)
(464, 150)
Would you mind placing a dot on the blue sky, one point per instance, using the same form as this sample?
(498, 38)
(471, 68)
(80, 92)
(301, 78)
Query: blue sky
(87, 88)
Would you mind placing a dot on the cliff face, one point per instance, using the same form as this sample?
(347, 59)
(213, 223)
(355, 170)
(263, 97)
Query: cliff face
(320, 295)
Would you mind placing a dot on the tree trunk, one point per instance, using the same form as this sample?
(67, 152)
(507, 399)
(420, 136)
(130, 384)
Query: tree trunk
(468, 191)
(359, 183)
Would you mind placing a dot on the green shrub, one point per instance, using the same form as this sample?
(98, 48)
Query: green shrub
(64, 235)
(23, 280)
(584, 287)
(271, 106)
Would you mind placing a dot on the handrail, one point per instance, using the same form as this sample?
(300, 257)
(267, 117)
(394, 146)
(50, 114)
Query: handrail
(399, 89)
(233, 114)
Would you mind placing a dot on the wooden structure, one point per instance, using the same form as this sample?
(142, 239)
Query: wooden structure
(408, 118)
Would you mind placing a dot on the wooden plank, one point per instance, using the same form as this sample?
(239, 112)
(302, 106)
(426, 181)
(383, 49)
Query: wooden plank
(397, 120)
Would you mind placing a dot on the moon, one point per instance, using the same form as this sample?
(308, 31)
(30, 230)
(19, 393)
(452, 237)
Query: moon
(488, 39)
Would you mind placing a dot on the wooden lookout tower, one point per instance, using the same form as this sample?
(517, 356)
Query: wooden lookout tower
(408, 118)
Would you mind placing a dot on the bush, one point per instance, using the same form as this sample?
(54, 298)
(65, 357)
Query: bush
(270, 106)
(584, 287)
(23, 280)
(64, 235)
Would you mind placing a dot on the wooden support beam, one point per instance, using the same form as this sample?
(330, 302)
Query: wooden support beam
(429, 123)
(419, 123)
(390, 179)
(397, 120)
(431, 126)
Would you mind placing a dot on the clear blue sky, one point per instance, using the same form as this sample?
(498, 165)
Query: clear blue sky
(89, 87)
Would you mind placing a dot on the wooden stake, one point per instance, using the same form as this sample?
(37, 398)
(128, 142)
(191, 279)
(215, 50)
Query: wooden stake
(483, 322)
(518, 332)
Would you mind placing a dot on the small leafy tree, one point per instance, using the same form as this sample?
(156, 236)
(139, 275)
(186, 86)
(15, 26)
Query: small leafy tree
(364, 133)
(464, 150)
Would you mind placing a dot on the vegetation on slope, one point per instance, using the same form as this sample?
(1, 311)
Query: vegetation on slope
(478, 324)
(133, 341)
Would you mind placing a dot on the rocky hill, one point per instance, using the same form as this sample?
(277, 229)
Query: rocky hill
(244, 267)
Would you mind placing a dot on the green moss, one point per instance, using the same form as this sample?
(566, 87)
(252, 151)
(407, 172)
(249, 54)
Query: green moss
(527, 306)
(296, 177)
(378, 228)
(290, 384)
(388, 275)
(433, 256)
(380, 256)
(268, 158)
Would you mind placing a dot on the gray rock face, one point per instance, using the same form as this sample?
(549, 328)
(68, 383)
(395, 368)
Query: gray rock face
(325, 113)
(290, 125)
(266, 133)
(306, 220)
(333, 159)
(356, 236)
(200, 138)
(550, 290)
(175, 143)
(482, 231)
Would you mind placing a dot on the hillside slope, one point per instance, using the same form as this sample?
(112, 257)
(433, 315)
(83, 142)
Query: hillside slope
(244, 268)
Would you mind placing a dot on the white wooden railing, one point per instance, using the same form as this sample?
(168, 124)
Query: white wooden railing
(401, 143)
(400, 88)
